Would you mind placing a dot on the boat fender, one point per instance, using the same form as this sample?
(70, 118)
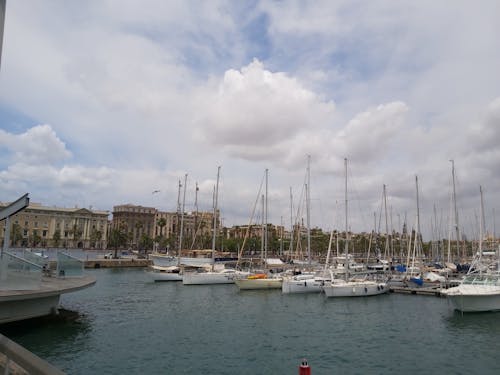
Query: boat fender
(305, 283)
(378, 287)
(366, 289)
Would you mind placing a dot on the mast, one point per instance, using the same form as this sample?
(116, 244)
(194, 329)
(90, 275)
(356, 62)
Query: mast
(215, 216)
(457, 227)
(182, 221)
(265, 215)
(178, 214)
(308, 209)
(196, 213)
(418, 245)
(346, 248)
(386, 252)
(262, 235)
(291, 223)
(481, 223)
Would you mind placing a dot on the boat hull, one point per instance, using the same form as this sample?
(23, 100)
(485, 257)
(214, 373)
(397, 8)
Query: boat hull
(467, 298)
(311, 285)
(164, 273)
(255, 284)
(206, 278)
(355, 289)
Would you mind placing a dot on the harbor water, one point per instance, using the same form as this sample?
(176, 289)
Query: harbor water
(131, 325)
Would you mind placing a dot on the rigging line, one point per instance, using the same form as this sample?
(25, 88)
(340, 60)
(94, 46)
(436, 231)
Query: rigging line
(247, 233)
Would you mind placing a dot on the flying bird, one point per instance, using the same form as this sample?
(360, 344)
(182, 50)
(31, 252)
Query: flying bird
(155, 191)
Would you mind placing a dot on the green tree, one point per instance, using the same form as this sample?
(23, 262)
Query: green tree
(95, 236)
(56, 238)
(16, 234)
(77, 233)
(117, 238)
(146, 243)
(36, 239)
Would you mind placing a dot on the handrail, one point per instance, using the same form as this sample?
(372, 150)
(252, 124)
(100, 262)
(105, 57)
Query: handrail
(29, 361)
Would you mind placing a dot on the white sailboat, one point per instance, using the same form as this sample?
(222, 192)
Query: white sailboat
(348, 287)
(480, 289)
(213, 276)
(170, 273)
(261, 280)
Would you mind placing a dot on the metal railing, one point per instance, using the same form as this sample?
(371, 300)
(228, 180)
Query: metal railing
(14, 359)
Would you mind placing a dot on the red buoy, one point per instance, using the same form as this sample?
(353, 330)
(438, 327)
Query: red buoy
(304, 368)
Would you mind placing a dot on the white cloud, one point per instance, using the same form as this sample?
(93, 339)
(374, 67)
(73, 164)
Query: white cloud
(255, 112)
(39, 145)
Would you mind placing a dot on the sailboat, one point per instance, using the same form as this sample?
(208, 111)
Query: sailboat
(169, 271)
(307, 282)
(348, 287)
(213, 276)
(261, 280)
(480, 289)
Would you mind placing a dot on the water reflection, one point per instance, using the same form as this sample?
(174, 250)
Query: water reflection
(481, 322)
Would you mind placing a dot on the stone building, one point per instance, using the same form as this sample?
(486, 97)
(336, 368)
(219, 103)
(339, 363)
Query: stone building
(139, 221)
(41, 226)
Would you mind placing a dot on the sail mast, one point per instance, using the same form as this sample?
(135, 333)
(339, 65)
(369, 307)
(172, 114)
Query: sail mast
(265, 227)
(215, 216)
(457, 227)
(346, 248)
(308, 209)
(181, 230)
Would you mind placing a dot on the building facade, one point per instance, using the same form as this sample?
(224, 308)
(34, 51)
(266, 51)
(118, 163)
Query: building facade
(41, 226)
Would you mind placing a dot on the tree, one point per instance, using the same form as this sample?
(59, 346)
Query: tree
(76, 232)
(117, 239)
(56, 238)
(145, 243)
(95, 236)
(17, 234)
(36, 239)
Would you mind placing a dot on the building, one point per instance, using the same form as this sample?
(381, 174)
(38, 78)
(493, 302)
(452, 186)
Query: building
(41, 226)
(137, 221)
(148, 228)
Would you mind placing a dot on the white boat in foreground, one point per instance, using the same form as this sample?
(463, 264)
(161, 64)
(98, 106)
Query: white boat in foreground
(225, 276)
(259, 281)
(158, 273)
(476, 293)
(480, 289)
(304, 283)
(362, 288)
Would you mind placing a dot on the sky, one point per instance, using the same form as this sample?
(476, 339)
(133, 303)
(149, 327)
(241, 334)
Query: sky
(103, 102)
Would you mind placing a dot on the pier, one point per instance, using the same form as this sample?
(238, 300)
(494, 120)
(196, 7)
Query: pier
(117, 263)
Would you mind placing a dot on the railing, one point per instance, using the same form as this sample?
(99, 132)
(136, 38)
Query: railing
(69, 266)
(19, 274)
(14, 359)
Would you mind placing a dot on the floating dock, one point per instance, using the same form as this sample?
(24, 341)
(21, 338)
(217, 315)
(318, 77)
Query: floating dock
(432, 291)
(117, 263)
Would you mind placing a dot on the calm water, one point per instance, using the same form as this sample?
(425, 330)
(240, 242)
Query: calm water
(133, 326)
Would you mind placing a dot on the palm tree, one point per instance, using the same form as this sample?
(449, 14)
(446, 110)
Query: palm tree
(56, 238)
(117, 239)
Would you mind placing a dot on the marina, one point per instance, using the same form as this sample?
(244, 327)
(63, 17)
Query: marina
(129, 324)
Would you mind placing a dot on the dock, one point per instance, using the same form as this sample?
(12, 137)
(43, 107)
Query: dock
(431, 291)
(117, 263)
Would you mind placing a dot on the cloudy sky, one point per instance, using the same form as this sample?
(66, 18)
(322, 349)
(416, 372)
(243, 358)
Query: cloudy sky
(103, 102)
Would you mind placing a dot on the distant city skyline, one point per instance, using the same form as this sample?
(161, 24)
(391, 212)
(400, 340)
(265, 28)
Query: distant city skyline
(104, 103)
